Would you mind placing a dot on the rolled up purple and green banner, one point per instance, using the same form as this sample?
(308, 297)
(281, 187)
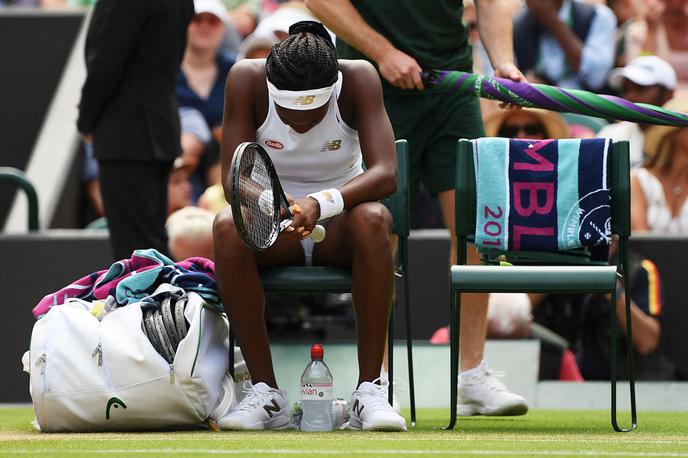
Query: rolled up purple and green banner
(554, 98)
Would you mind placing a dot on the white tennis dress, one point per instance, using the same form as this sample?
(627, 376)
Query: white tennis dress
(659, 216)
(327, 156)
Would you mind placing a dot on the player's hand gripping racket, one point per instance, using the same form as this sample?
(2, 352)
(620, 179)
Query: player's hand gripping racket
(259, 206)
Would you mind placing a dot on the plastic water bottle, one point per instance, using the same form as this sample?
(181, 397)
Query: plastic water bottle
(316, 393)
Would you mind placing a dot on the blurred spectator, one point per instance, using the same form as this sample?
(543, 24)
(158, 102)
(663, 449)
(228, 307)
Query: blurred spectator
(47, 3)
(179, 186)
(200, 86)
(585, 321)
(244, 15)
(659, 190)
(190, 232)
(646, 79)
(127, 108)
(273, 28)
(213, 199)
(628, 38)
(566, 43)
(528, 123)
(256, 46)
(664, 32)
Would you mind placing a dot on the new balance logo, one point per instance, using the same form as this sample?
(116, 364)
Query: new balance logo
(331, 145)
(272, 408)
(304, 100)
(357, 407)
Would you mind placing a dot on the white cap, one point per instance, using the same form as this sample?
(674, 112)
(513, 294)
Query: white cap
(645, 71)
(214, 7)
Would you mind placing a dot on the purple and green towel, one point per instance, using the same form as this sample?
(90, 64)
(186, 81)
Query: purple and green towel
(543, 195)
(130, 280)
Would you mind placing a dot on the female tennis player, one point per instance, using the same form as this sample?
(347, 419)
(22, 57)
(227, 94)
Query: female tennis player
(319, 119)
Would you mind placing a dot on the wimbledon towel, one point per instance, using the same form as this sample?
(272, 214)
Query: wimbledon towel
(544, 195)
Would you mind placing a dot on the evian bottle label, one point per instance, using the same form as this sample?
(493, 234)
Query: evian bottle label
(316, 391)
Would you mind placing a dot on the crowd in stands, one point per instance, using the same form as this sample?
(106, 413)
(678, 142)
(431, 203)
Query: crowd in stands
(637, 49)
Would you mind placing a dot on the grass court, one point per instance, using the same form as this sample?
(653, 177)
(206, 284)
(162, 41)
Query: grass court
(539, 433)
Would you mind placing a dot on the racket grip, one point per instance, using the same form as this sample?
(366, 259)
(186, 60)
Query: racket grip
(318, 234)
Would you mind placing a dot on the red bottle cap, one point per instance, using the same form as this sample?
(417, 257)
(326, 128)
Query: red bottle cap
(317, 352)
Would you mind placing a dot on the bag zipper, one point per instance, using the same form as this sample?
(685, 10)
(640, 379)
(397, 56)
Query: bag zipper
(98, 352)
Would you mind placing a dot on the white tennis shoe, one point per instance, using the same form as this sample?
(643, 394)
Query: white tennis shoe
(263, 407)
(482, 393)
(370, 411)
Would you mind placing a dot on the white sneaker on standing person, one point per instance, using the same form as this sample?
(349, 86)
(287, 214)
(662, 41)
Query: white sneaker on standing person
(482, 393)
(480, 390)
(370, 410)
(261, 408)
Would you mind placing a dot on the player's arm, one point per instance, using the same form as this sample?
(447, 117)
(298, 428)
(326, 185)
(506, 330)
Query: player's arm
(376, 137)
(638, 207)
(343, 19)
(238, 124)
(647, 289)
(495, 27)
(646, 329)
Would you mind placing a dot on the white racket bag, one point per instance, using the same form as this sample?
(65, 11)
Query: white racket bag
(88, 374)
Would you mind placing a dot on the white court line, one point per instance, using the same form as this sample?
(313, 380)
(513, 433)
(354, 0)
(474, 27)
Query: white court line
(304, 452)
(117, 437)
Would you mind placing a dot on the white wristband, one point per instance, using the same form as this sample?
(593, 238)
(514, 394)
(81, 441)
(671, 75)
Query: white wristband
(331, 202)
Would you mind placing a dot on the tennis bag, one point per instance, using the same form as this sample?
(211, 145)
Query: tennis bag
(93, 375)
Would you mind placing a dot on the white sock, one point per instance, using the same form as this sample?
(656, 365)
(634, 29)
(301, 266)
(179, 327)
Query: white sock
(477, 370)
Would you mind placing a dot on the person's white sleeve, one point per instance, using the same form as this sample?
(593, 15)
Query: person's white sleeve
(597, 58)
(193, 122)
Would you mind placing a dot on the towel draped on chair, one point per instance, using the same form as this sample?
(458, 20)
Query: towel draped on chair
(543, 195)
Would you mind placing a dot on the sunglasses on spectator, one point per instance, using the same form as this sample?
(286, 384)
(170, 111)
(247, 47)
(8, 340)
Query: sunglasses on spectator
(528, 129)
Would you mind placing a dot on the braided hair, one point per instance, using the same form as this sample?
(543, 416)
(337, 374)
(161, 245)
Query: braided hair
(306, 59)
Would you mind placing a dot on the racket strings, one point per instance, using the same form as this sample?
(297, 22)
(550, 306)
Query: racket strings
(259, 215)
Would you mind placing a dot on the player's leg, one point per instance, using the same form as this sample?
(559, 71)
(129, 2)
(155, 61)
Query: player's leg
(236, 269)
(236, 272)
(359, 237)
(473, 305)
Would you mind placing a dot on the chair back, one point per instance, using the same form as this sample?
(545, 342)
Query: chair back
(398, 203)
(18, 178)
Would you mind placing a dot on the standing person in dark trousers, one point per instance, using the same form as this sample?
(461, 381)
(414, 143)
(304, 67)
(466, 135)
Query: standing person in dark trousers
(128, 110)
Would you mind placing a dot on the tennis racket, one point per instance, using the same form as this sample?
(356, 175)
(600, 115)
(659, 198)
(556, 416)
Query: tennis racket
(259, 206)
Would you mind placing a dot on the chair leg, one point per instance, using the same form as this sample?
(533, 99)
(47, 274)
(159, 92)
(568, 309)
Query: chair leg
(454, 326)
(409, 348)
(614, 367)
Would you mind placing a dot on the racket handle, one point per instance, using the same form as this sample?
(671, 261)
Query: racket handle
(318, 234)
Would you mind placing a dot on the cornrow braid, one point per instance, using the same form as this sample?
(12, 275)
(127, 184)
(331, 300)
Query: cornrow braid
(303, 60)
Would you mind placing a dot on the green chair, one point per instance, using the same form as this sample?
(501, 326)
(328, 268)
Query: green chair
(18, 178)
(323, 279)
(541, 272)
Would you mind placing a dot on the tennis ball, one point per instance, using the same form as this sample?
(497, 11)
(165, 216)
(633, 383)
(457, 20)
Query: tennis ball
(265, 202)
